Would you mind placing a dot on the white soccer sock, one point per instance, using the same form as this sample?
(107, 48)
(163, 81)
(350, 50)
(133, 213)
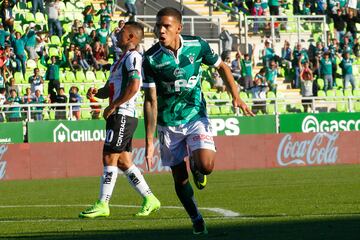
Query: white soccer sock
(137, 181)
(107, 184)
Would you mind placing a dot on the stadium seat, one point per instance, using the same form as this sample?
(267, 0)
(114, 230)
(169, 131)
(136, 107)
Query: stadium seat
(40, 19)
(70, 77)
(321, 93)
(19, 78)
(226, 110)
(348, 92)
(356, 92)
(53, 51)
(270, 108)
(224, 96)
(100, 76)
(80, 77)
(90, 76)
(85, 114)
(55, 40)
(320, 83)
(31, 64)
(339, 93)
(357, 106)
(339, 83)
(29, 17)
(205, 85)
(79, 5)
(330, 94)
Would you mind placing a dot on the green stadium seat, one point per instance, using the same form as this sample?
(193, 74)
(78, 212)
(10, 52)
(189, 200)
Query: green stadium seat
(330, 94)
(28, 74)
(31, 64)
(348, 92)
(55, 40)
(339, 83)
(40, 19)
(215, 110)
(226, 110)
(270, 108)
(70, 77)
(107, 74)
(19, 78)
(224, 96)
(339, 93)
(29, 17)
(100, 76)
(299, 107)
(85, 114)
(321, 93)
(205, 85)
(341, 107)
(53, 51)
(357, 106)
(356, 92)
(320, 83)
(80, 77)
(90, 76)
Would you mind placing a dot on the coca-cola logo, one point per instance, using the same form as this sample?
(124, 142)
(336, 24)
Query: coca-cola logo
(321, 149)
(139, 159)
(3, 149)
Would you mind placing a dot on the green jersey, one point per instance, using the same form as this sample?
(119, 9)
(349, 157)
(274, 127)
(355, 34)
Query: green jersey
(177, 79)
(326, 66)
(346, 65)
(246, 66)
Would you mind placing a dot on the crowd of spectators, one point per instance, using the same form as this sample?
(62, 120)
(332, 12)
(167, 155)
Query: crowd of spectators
(43, 53)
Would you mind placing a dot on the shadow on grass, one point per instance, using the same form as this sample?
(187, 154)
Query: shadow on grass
(347, 228)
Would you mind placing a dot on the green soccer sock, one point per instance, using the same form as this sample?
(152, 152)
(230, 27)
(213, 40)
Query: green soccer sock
(186, 195)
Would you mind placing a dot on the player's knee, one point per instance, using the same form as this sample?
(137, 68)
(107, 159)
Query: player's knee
(206, 168)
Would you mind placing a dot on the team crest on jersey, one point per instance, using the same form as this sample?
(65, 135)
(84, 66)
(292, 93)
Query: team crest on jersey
(179, 72)
(191, 57)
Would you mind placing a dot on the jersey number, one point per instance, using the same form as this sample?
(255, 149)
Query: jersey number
(183, 83)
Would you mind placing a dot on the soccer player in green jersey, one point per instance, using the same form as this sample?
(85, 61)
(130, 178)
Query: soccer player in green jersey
(174, 102)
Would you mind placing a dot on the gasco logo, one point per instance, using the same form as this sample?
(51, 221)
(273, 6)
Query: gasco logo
(321, 149)
(312, 124)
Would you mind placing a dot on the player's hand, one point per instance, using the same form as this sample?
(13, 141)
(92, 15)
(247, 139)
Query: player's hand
(108, 111)
(238, 103)
(149, 153)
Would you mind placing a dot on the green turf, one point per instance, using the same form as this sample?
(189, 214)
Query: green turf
(292, 203)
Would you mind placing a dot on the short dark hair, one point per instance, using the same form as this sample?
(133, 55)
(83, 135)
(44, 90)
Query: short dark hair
(170, 11)
(139, 29)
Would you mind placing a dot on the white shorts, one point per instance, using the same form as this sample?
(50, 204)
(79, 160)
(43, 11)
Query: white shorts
(177, 142)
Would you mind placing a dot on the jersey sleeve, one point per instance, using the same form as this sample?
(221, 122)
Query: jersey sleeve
(210, 58)
(148, 74)
(133, 66)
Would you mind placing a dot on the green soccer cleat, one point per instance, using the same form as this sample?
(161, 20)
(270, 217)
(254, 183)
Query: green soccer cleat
(200, 179)
(99, 209)
(199, 227)
(150, 204)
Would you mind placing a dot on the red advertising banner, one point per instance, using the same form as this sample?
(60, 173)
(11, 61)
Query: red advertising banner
(63, 160)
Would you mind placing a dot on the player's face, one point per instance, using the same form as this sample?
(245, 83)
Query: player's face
(167, 29)
(123, 37)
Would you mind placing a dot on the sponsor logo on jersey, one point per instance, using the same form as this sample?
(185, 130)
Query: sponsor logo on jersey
(203, 137)
(179, 73)
(162, 64)
(321, 149)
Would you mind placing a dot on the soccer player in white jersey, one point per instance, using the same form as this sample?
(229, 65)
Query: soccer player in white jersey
(122, 88)
(174, 102)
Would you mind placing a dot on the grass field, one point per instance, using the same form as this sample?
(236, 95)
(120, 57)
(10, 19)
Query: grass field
(292, 203)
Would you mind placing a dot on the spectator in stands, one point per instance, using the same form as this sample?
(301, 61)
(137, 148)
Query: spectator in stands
(53, 19)
(260, 87)
(296, 7)
(40, 43)
(7, 15)
(326, 70)
(60, 111)
(268, 54)
(90, 27)
(88, 15)
(286, 56)
(236, 67)
(271, 75)
(3, 35)
(3, 81)
(81, 39)
(274, 7)
(226, 42)
(70, 55)
(105, 15)
(11, 85)
(346, 45)
(300, 56)
(321, 6)
(53, 74)
(37, 5)
(18, 43)
(339, 24)
(116, 50)
(131, 9)
(307, 78)
(218, 83)
(257, 10)
(347, 70)
(356, 48)
(14, 112)
(351, 21)
(102, 33)
(100, 55)
(36, 81)
(89, 58)
(110, 6)
(28, 97)
(80, 60)
(31, 42)
(306, 8)
(247, 64)
(95, 109)
(37, 111)
(93, 38)
(2, 102)
(74, 97)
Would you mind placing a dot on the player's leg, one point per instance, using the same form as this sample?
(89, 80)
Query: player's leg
(185, 193)
(107, 184)
(138, 182)
(202, 150)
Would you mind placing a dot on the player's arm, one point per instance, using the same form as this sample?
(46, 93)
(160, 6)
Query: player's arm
(150, 112)
(103, 92)
(229, 82)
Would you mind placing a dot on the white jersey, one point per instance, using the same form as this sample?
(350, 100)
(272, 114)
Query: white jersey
(126, 69)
